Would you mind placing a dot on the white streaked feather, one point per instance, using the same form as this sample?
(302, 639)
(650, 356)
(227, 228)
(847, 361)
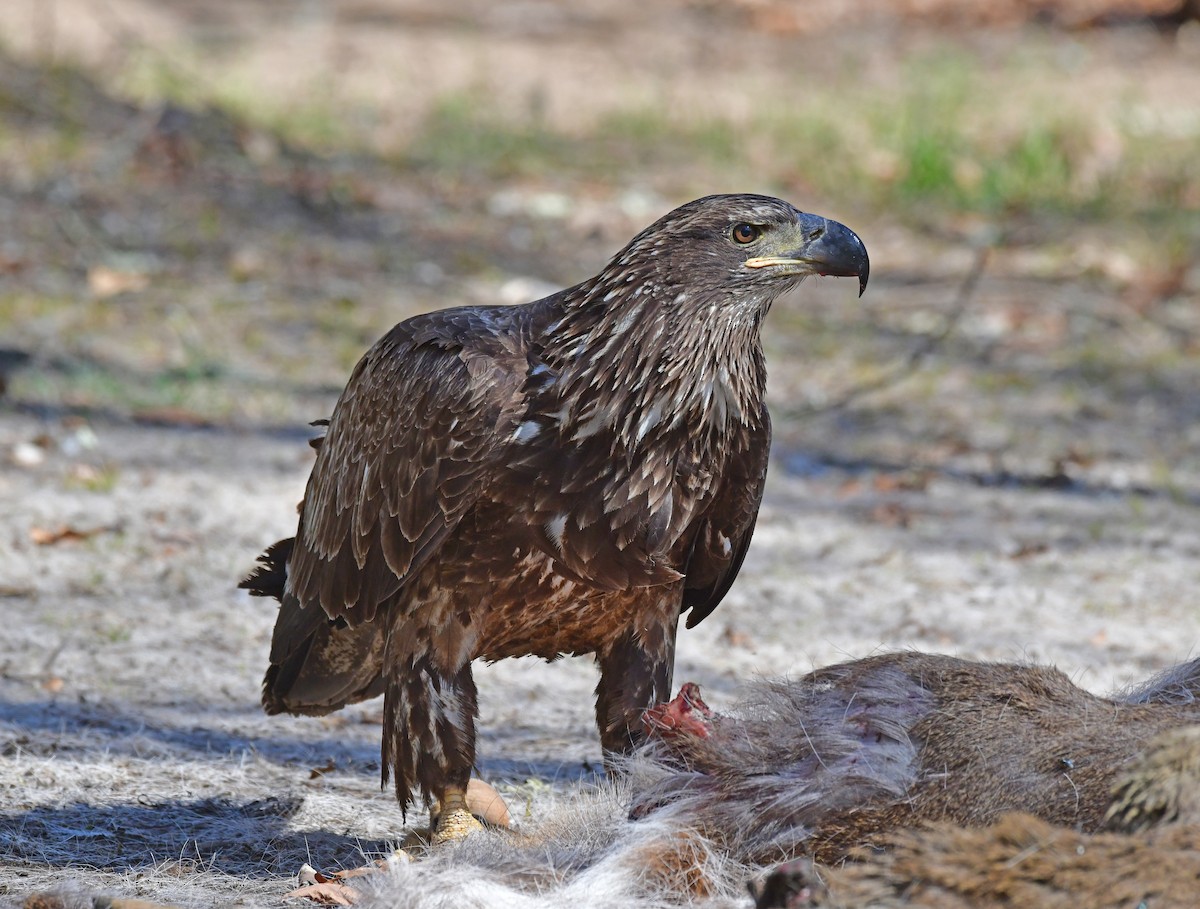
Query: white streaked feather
(555, 528)
(527, 431)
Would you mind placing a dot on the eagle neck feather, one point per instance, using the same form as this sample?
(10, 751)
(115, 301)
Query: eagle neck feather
(643, 358)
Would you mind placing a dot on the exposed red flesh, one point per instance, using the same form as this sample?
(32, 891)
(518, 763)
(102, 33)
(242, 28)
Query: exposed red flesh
(685, 714)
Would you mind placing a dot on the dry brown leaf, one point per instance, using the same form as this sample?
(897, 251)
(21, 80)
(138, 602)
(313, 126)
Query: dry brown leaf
(374, 868)
(44, 901)
(328, 889)
(328, 767)
(328, 893)
(44, 536)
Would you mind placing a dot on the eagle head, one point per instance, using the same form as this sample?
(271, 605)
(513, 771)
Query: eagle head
(671, 324)
(743, 245)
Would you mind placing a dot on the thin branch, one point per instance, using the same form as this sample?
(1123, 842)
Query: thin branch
(928, 344)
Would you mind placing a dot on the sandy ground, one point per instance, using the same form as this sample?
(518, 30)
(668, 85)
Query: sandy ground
(1031, 492)
(136, 760)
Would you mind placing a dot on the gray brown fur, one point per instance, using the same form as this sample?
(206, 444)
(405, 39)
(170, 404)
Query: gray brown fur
(1150, 856)
(848, 754)
(974, 853)
(563, 477)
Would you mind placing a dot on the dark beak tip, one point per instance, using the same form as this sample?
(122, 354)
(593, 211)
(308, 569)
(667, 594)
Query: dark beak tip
(864, 266)
(854, 251)
(839, 249)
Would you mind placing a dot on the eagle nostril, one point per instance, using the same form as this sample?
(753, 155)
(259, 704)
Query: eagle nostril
(816, 233)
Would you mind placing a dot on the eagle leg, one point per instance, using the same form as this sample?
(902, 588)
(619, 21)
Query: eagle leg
(429, 733)
(454, 819)
(635, 674)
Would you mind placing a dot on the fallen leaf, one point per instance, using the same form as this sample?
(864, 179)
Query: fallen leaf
(328, 767)
(328, 890)
(53, 684)
(43, 536)
(374, 868)
(44, 901)
(329, 893)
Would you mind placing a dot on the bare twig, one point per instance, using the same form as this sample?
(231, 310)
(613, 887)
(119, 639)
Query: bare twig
(928, 344)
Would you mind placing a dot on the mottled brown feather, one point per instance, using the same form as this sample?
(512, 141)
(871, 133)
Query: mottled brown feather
(563, 477)
(408, 449)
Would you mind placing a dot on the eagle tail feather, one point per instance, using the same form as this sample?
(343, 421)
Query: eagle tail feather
(270, 575)
(318, 664)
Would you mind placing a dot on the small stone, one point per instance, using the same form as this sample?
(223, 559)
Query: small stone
(26, 454)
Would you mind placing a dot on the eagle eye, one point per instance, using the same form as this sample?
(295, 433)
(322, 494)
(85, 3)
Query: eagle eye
(746, 233)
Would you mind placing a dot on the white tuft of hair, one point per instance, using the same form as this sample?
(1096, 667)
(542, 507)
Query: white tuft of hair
(584, 852)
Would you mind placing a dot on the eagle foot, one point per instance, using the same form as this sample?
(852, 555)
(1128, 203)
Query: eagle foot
(454, 818)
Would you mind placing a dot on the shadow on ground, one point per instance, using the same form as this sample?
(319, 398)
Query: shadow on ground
(214, 834)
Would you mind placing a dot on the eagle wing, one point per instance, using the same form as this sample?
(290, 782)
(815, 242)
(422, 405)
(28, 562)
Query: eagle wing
(725, 531)
(409, 448)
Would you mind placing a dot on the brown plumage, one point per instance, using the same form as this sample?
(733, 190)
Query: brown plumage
(563, 477)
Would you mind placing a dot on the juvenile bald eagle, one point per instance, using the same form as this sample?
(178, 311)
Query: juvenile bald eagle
(562, 477)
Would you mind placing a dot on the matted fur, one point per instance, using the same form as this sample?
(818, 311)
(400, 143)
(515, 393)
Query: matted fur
(848, 755)
(584, 852)
(1148, 856)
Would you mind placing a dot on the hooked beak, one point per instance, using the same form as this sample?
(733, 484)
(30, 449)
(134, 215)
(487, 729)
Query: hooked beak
(825, 248)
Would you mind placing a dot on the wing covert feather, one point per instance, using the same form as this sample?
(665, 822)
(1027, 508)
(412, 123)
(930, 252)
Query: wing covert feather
(724, 535)
(408, 450)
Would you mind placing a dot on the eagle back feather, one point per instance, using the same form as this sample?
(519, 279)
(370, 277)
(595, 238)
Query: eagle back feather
(412, 442)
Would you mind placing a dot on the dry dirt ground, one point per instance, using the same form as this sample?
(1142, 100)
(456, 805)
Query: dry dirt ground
(1027, 489)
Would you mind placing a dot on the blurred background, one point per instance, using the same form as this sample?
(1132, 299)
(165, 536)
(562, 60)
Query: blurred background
(209, 209)
(212, 208)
